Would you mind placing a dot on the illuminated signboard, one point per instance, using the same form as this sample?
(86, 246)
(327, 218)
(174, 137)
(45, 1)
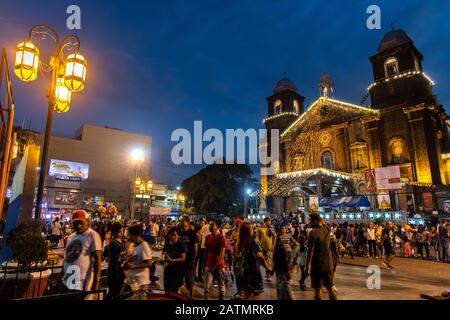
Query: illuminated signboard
(65, 198)
(70, 171)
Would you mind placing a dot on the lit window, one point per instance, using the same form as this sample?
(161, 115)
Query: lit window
(391, 67)
(277, 106)
(327, 160)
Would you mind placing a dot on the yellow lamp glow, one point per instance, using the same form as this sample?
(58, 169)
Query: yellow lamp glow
(62, 96)
(138, 182)
(15, 150)
(142, 188)
(149, 185)
(75, 72)
(27, 61)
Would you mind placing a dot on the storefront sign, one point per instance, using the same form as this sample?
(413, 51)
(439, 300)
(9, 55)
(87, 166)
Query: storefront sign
(68, 178)
(65, 198)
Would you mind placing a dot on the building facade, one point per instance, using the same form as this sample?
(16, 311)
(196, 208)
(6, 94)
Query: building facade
(334, 146)
(92, 168)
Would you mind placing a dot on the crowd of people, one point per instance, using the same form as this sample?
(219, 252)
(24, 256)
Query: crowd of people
(427, 243)
(207, 253)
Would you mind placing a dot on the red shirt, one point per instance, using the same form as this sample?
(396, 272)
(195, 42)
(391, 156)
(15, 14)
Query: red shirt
(213, 245)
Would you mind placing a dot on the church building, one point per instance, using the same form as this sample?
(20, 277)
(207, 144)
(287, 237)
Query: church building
(332, 147)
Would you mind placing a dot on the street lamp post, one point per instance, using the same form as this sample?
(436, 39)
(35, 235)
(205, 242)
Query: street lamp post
(137, 156)
(68, 75)
(144, 186)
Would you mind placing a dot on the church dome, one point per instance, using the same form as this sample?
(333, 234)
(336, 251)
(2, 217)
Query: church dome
(393, 39)
(285, 84)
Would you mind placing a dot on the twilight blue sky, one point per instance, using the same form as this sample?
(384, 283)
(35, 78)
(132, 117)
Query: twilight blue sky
(155, 66)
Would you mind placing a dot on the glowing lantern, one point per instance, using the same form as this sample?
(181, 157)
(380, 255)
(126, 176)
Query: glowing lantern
(15, 150)
(27, 61)
(75, 72)
(138, 182)
(149, 185)
(62, 96)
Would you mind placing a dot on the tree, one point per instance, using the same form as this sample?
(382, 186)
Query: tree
(218, 188)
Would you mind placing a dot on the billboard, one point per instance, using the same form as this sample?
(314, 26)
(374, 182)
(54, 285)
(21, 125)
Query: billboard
(67, 170)
(388, 178)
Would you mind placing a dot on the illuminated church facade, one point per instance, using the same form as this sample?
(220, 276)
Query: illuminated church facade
(328, 148)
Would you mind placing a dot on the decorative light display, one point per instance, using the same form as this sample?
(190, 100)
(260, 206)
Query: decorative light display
(326, 101)
(280, 115)
(321, 171)
(403, 75)
(364, 216)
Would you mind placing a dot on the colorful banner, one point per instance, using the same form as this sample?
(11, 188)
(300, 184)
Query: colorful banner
(427, 201)
(370, 181)
(384, 201)
(313, 202)
(388, 178)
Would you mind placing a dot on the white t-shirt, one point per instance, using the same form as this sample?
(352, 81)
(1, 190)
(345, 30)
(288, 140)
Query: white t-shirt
(204, 231)
(56, 228)
(370, 234)
(137, 255)
(79, 262)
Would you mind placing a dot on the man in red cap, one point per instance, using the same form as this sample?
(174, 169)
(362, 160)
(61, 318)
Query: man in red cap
(83, 256)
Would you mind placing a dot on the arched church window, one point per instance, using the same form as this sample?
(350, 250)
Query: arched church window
(277, 106)
(327, 160)
(296, 107)
(391, 67)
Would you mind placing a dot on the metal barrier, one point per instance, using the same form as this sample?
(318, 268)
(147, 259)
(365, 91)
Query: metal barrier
(39, 282)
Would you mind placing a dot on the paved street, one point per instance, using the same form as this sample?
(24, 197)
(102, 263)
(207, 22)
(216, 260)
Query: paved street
(407, 281)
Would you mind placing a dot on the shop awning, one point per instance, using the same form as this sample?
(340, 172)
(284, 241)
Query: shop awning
(344, 201)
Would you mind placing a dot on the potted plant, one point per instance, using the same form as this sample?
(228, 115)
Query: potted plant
(29, 251)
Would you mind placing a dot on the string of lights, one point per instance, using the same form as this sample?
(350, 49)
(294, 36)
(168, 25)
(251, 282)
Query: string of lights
(403, 75)
(325, 101)
(280, 115)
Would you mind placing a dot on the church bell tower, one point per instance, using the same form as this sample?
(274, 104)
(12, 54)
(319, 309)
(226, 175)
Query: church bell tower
(284, 106)
(397, 72)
